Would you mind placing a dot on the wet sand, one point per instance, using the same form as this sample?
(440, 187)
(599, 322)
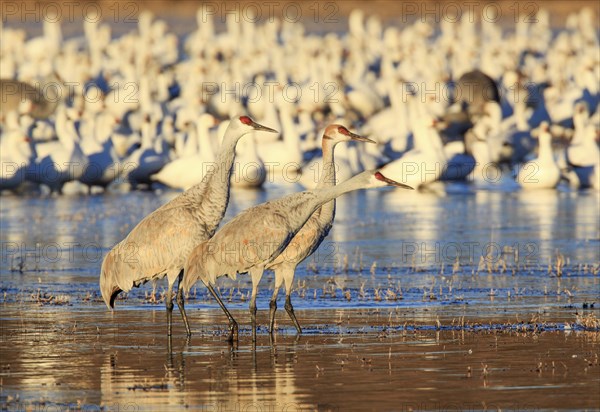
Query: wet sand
(57, 357)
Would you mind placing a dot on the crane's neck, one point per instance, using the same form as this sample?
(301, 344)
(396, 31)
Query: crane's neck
(211, 196)
(327, 179)
(328, 194)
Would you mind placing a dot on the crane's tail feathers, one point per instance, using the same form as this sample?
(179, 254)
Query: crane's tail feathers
(193, 267)
(111, 304)
(108, 285)
(189, 279)
(187, 282)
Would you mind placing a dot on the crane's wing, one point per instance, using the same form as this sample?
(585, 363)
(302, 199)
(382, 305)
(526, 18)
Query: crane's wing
(160, 243)
(253, 238)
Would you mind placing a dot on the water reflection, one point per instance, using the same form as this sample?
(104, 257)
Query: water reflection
(541, 210)
(208, 373)
(119, 362)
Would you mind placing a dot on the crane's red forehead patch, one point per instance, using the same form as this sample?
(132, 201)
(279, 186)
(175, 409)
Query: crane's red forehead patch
(246, 120)
(379, 176)
(343, 130)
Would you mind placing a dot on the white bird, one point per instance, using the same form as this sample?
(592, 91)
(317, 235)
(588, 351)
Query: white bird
(148, 159)
(560, 103)
(542, 172)
(159, 245)
(391, 125)
(478, 145)
(15, 158)
(253, 239)
(103, 162)
(103, 165)
(197, 157)
(582, 154)
(460, 163)
(249, 170)
(59, 162)
(283, 155)
(308, 239)
(363, 99)
(426, 161)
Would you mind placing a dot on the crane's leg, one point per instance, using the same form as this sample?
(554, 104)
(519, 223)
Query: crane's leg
(253, 317)
(233, 326)
(273, 302)
(288, 277)
(169, 304)
(290, 310)
(181, 305)
(256, 275)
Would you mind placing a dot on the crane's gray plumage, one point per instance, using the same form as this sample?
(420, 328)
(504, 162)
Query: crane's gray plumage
(255, 237)
(312, 234)
(159, 245)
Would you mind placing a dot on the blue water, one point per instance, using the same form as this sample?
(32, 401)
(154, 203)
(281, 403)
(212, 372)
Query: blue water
(455, 247)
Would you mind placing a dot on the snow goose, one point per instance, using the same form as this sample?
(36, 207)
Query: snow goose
(285, 154)
(104, 163)
(16, 155)
(582, 154)
(248, 170)
(189, 169)
(62, 161)
(542, 172)
(148, 159)
(426, 161)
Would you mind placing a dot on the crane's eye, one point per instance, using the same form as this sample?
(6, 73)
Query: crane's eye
(343, 130)
(246, 120)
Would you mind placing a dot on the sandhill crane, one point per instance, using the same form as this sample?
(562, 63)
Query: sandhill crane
(253, 239)
(308, 239)
(159, 245)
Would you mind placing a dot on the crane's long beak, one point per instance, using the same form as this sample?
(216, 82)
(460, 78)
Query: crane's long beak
(357, 138)
(262, 128)
(391, 182)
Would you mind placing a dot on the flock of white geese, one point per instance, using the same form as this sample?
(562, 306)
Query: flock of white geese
(150, 108)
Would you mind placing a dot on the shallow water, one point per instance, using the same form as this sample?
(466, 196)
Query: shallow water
(58, 358)
(387, 309)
